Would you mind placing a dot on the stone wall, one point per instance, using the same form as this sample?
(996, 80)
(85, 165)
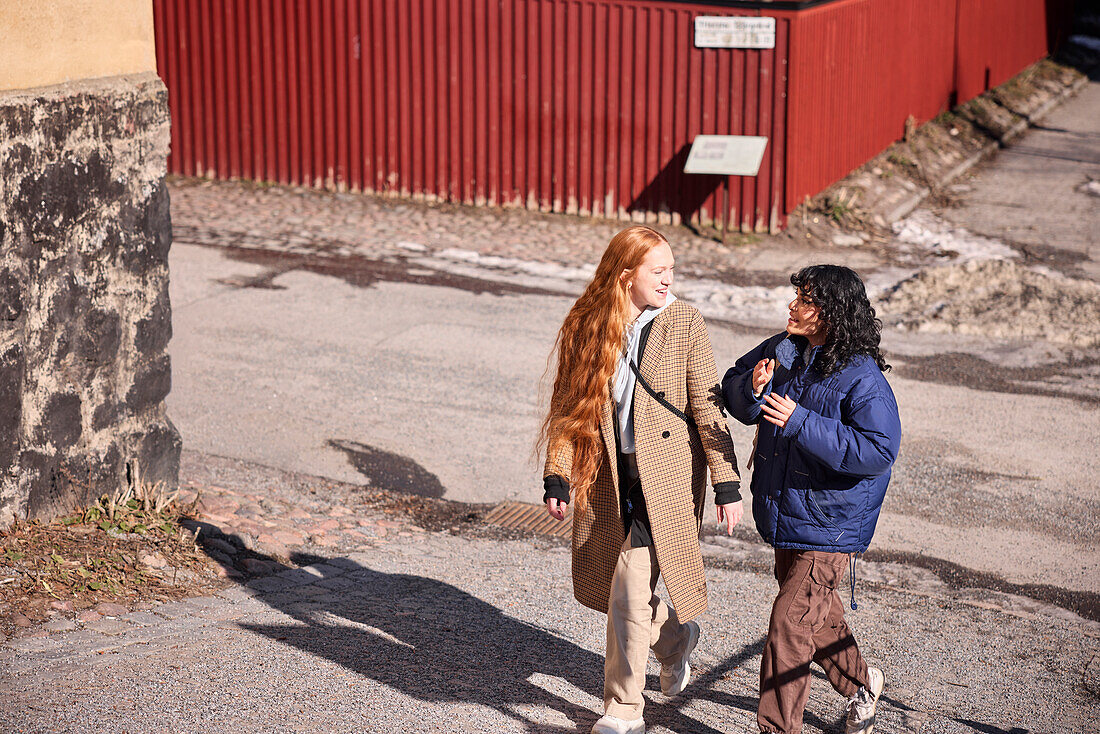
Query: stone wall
(84, 312)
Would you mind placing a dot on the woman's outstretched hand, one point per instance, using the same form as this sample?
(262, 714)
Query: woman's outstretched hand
(556, 508)
(730, 515)
(762, 375)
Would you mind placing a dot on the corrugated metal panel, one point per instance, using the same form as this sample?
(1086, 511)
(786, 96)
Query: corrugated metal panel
(859, 68)
(999, 38)
(581, 106)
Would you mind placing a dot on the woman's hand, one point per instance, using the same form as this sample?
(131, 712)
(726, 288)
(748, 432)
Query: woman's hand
(777, 409)
(556, 508)
(762, 375)
(730, 515)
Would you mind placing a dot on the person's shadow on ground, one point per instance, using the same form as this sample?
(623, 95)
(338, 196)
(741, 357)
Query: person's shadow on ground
(439, 644)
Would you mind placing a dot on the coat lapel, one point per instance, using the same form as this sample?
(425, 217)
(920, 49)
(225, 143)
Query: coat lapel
(652, 351)
(610, 441)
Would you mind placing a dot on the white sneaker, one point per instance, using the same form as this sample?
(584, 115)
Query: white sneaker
(674, 678)
(614, 725)
(861, 707)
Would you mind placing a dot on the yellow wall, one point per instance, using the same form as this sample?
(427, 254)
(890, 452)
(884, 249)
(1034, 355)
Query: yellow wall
(53, 41)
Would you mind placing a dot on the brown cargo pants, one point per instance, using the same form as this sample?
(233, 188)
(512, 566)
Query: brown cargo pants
(807, 624)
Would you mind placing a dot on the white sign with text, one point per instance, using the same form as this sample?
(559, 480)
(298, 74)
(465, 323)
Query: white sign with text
(736, 32)
(726, 155)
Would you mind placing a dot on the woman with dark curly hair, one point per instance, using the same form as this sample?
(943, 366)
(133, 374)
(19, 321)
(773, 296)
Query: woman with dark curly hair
(828, 433)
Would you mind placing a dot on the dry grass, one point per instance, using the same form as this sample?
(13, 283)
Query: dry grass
(128, 547)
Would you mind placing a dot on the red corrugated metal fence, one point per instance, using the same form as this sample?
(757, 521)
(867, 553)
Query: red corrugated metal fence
(860, 68)
(996, 39)
(584, 106)
(580, 106)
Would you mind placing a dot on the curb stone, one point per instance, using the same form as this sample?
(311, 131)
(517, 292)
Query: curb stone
(108, 626)
(177, 609)
(142, 618)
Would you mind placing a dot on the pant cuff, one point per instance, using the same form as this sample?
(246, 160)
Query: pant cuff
(627, 712)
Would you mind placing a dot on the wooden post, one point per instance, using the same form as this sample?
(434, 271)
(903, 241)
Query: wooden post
(725, 207)
(725, 156)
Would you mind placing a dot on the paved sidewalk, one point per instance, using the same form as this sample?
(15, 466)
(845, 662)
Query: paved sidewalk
(433, 631)
(1043, 192)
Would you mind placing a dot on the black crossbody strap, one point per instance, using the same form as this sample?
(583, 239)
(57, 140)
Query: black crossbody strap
(645, 386)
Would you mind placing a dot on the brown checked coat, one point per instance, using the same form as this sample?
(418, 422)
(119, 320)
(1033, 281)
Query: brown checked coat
(673, 458)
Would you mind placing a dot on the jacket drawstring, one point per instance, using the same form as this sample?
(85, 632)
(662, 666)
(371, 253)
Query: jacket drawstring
(852, 558)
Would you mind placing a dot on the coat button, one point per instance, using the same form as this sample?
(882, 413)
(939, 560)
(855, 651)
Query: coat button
(665, 434)
(661, 394)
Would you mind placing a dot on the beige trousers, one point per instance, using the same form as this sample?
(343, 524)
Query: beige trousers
(637, 621)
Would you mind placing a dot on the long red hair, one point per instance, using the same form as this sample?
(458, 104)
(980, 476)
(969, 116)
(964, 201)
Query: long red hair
(588, 345)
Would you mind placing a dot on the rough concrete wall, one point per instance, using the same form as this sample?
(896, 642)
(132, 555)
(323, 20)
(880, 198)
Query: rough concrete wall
(84, 311)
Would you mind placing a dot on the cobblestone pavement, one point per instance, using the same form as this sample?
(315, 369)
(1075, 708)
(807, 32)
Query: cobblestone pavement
(375, 624)
(304, 221)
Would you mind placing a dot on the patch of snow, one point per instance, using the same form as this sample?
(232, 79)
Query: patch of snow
(552, 271)
(1092, 188)
(998, 298)
(843, 239)
(742, 304)
(925, 229)
(1086, 41)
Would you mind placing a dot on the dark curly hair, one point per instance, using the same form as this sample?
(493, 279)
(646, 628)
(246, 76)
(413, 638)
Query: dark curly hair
(852, 327)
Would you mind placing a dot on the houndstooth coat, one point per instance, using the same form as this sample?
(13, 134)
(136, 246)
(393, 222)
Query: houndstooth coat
(672, 462)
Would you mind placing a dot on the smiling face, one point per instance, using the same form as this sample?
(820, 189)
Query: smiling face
(805, 320)
(649, 283)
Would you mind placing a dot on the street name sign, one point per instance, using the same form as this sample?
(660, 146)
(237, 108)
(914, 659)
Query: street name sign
(726, 155)
(737, 32)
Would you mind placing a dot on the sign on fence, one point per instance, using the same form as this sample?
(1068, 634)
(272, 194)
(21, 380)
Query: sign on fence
(725, 32)
(726, 155)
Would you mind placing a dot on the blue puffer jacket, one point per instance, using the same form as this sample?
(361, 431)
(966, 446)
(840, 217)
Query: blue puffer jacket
(818, 483)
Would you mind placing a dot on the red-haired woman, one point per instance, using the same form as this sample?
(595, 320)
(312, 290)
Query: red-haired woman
(634, 422)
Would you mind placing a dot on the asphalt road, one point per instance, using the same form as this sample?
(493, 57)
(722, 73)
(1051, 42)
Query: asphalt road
(426, 379)
(402, 638)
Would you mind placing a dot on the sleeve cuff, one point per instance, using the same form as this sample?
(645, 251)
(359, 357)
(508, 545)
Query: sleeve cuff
(794, 423)
(726, 493)
(555, 487)
(753, 397)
